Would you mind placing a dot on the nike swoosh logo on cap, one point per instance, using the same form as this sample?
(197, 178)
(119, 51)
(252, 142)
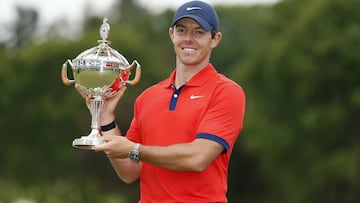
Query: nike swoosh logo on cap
(193, 8)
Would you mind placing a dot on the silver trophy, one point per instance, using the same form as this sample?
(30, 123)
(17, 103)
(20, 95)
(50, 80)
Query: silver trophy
(99, 72)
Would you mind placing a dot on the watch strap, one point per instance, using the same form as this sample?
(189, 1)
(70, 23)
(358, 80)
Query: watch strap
(136, 147)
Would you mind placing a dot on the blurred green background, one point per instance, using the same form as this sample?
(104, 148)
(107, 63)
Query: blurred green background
(297, 60)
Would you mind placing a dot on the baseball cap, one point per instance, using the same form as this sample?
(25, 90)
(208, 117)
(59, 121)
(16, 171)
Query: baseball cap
(201, 12)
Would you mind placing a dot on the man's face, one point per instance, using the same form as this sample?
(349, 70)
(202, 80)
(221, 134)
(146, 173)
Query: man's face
(192, 44)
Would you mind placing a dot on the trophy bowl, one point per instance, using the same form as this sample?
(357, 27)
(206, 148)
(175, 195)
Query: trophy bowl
(99, 72)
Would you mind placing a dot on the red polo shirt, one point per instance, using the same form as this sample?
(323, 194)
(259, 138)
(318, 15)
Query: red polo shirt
(209, 106)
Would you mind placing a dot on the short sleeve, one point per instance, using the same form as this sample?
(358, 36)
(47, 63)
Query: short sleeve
(223, 120)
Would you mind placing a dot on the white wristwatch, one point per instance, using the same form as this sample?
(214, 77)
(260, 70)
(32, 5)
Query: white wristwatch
(134, 154)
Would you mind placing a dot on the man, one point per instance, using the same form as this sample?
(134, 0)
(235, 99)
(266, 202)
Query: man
(184, 128)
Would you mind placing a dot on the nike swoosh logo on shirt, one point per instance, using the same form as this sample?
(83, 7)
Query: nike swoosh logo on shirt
(196, 96)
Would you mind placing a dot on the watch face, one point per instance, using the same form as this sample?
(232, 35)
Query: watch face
(134, 155)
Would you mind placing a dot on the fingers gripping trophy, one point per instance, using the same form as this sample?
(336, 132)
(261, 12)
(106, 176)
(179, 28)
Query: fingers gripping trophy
(99, 73)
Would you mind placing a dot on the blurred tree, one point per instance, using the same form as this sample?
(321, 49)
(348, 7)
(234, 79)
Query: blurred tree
(24, 27)
(303, 102)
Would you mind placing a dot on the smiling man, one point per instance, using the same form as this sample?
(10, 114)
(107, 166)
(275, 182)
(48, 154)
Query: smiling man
(184, 128)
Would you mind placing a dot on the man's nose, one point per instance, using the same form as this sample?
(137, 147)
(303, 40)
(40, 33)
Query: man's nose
(189, 35)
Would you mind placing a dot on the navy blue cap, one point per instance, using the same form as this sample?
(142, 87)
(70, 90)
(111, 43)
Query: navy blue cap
(201, 12)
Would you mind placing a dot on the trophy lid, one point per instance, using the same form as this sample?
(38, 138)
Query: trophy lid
(101, 56)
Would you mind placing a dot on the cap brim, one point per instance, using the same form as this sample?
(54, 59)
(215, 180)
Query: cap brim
(203, 23)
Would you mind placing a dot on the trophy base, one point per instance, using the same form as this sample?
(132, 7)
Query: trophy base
(86, 142)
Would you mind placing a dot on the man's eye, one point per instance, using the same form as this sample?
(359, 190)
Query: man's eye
(180, 30)
(199, 32)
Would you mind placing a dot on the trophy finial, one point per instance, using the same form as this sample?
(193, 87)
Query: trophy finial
(104, 29)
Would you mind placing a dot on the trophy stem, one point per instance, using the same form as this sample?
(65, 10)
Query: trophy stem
(93, 139)
(96, 105)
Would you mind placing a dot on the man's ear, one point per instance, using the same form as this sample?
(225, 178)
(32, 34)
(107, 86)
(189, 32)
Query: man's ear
(216, 40)
(171, 33)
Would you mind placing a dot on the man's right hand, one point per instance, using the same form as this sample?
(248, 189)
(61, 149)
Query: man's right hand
(108, 111)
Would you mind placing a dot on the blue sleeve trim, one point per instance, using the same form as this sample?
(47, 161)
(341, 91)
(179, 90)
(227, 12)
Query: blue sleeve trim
(216, 139)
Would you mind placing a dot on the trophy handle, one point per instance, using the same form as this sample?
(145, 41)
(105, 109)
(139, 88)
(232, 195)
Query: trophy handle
(64, 76)
(137, 76)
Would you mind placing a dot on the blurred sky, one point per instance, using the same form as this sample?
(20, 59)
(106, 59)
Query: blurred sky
(72, 11)
(51, 10)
